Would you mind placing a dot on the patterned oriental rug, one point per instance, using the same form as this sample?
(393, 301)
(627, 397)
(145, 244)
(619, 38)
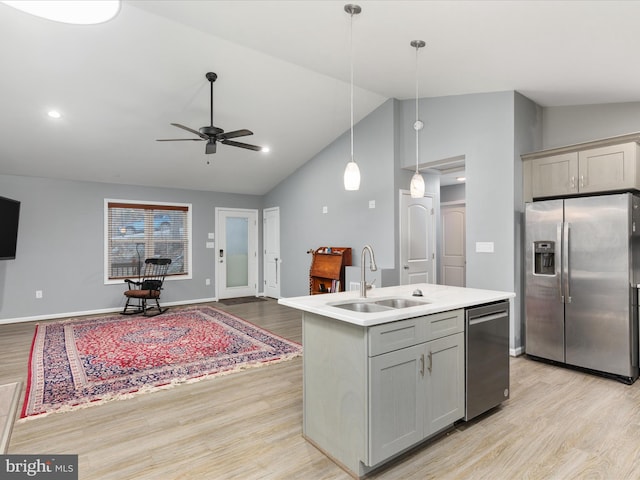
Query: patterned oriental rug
(79, 363)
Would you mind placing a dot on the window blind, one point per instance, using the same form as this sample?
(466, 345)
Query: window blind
(137, 231)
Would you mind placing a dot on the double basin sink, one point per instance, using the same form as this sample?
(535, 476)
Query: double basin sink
(382, 305)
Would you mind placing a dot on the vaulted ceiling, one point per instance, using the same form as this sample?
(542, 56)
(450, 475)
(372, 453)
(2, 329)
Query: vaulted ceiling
(283, 72)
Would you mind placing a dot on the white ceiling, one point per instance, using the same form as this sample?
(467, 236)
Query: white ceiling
(283, 72)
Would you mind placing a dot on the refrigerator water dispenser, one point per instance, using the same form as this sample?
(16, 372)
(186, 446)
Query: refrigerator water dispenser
(544, 258)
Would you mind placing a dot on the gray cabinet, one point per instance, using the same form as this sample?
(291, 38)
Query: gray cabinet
(371, 392)
(418, 390)
(587, 168)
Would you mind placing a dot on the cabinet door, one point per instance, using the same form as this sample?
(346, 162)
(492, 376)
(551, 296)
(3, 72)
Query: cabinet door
(445, 382)
(608, 168)
(396, 402)
(555, 175)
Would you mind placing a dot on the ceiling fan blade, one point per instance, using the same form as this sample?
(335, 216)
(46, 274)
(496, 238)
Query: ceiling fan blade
(242, 145)
(179, 139)
(201, 135)
(211, 147)
(234, 134)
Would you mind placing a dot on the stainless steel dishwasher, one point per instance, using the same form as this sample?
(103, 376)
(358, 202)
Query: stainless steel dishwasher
(487, 357)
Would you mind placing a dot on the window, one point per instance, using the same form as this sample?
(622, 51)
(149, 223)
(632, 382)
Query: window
(137, 231)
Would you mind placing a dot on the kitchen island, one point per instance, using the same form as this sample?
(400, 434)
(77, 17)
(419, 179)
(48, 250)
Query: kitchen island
(385, 373)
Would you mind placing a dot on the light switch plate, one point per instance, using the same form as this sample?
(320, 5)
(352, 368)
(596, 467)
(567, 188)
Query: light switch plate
(372, 204)
(325, 209)
(484, 247)
(211, 245)
(211, 236)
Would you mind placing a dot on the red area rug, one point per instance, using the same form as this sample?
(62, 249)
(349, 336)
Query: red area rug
(78, 363)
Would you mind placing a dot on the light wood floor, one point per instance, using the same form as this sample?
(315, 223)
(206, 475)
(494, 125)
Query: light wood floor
(558, 424)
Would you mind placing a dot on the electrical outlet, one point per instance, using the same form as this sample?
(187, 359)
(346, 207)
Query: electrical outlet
(207, 281)
(38, 293)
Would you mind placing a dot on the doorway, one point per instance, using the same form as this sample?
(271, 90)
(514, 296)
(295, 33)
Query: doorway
(271, 259)
(417, 239)
(237, 252)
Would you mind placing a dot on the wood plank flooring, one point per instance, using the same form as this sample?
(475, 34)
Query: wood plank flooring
(558, 424)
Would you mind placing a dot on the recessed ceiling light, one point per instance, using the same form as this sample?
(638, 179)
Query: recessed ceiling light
(461, 179)
(54, 114)
(79, 12)
(265, 150)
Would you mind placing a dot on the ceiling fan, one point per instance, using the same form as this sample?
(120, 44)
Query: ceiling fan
(212, 134)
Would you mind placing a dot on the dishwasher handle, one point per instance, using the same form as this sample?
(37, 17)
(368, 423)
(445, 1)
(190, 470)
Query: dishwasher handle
(488, 317)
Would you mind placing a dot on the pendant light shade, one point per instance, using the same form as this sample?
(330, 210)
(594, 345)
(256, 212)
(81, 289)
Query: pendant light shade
(416, 187)
(352, 172)
(352, 176)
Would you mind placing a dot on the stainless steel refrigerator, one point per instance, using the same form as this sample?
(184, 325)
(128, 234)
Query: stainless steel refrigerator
(581, 276)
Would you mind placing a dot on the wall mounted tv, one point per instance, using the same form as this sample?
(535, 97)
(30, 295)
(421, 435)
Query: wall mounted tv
(9, 216)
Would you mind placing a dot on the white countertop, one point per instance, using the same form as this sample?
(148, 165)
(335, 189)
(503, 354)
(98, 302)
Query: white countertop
(440, 298)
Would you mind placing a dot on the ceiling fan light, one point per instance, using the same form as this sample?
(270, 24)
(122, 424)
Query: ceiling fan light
(69, 11)
(352, 176)
(417, 186)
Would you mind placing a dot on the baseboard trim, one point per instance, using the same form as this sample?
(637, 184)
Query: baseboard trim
(516, 352)
(54, 316)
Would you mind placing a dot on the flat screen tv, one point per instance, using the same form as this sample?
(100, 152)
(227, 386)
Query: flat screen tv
(9, 216)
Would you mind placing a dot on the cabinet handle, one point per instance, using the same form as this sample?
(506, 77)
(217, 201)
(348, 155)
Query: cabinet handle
(430, 362)
(581, 181)
(573, 182)
(422, 364)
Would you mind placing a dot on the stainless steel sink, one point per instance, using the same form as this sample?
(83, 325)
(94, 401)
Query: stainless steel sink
(400, 303)
(368, 307)
(378, 305)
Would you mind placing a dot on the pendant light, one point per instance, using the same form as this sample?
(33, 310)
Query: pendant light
(417, 182)
(352, 172)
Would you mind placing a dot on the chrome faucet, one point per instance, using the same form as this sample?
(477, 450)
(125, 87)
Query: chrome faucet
(372, 265)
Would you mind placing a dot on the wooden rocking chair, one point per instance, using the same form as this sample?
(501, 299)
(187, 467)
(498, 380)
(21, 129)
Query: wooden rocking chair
(147, 289)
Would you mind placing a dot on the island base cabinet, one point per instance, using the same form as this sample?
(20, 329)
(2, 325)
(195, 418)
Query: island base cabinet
(414, 393)
(370, 393)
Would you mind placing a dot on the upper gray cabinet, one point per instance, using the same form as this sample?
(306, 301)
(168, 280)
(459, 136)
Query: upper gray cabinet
(602, 166)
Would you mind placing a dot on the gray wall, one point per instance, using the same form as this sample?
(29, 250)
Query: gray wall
(349, 221)
(453, 193)
(528, 138)
(480, 127)
(583, 123)
(60, 246)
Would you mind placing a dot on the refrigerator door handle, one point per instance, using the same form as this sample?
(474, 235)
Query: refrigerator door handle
(565, 261)
(559, 253)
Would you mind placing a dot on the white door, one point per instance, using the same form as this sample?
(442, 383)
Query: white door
(453, 258)
(271, 242)
(417, 239)
(236, 252)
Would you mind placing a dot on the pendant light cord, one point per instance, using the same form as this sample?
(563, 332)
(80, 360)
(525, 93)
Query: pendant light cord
(417, 118)
(351, 90)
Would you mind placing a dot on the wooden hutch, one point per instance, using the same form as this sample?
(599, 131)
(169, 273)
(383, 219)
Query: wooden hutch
(327, 269)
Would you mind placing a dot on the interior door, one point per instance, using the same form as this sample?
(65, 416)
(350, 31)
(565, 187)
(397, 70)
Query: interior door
(453, 258)
(271, 242)
(417, 239)
(237, 252)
